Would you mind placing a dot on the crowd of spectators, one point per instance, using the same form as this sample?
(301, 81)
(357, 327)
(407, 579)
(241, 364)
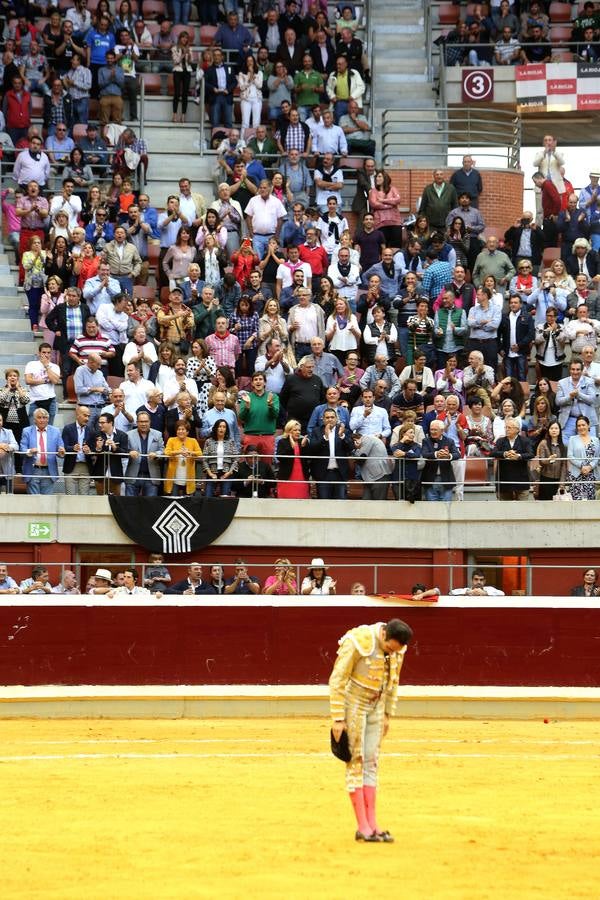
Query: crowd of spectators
(156, 580)
(508, 34)
(391, 354)
(281, 345)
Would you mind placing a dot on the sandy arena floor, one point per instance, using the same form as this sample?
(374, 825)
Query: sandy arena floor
(257, 809)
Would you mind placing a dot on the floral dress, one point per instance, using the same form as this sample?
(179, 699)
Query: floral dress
(583, 487)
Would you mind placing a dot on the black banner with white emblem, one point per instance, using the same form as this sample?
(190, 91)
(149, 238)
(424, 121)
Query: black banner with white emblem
(172, 525)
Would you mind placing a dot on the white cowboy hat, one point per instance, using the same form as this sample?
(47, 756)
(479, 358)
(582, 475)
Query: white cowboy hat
(103, 573)
(317, 563)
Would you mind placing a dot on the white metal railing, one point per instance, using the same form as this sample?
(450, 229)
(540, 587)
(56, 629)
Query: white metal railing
(406, 132)
(374, 577)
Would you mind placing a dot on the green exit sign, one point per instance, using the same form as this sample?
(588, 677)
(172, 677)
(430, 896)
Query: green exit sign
(39, 531)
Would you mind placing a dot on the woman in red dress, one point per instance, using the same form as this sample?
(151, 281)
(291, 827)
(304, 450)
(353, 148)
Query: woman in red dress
(293, 475)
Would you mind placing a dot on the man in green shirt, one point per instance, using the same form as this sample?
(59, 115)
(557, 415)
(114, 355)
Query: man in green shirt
(357, 131)
(264, 147)
(437, 199)
(308, 87)
(258, 414)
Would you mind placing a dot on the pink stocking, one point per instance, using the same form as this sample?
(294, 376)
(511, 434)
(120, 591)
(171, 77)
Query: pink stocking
(358, 802)
(369, 794)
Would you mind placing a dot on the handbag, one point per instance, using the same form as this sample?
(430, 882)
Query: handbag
(563, 494)
(341, 748)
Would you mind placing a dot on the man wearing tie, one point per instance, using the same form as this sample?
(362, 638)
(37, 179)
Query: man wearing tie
(42, 444)
(78, 441)
(111, 449)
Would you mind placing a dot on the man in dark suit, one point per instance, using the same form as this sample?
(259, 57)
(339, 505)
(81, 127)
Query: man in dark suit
(193, 584)
(333, 445)
(219, 84)
(365, 181)
(526, 241)
(290, 52)
(439, 451)
(110, 447)
(65, 320)
(78, 438)
(583, 260)
(323, 54)
(516, 335)
(513, 453)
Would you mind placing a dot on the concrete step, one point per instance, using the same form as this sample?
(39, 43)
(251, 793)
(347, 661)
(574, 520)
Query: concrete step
(19, 337)
(160, 109)
(20, 346)
(163, 136)
(395, 25)
(15, 359)
(399, 82)
(9, 302)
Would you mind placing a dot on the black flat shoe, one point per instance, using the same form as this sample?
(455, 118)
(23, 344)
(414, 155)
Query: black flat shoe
(385, 837)
(367, 838)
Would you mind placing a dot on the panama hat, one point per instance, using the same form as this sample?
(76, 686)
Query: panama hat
(103, 573)
(317, 563)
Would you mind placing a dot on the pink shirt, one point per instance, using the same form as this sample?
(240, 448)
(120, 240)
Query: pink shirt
(224, 351)
(283, 588)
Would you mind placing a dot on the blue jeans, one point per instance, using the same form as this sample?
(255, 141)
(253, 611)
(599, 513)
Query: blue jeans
(181, 11)
(221, 111)
(211, 485)
(403, 340)
(126, 284)
(569, 428)
(331, 487)
(51, 410)
(34, 299)
(141, 488)
(438, 491)
(260, 243)
(40, 485)
(516, 367)
(340, 108)
(81, 111)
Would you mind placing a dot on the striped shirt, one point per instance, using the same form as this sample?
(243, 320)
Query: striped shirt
(84, 345)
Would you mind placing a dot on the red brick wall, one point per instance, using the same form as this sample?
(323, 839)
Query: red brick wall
(501, 202)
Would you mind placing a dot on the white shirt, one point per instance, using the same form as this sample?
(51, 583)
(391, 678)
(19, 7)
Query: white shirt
(265, 214)
(323, 193)
(113, 325)
(274, 376)
(187, 207)
(512, 318)
(136, 394)
(286, 274)
(172, 388)
(306, 319)
(72, 207)
(347, 288)
(332, 464)
(43, 391)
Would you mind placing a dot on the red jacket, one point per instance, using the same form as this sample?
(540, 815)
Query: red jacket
(243, 264)
(550, 199)
(17, 111)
